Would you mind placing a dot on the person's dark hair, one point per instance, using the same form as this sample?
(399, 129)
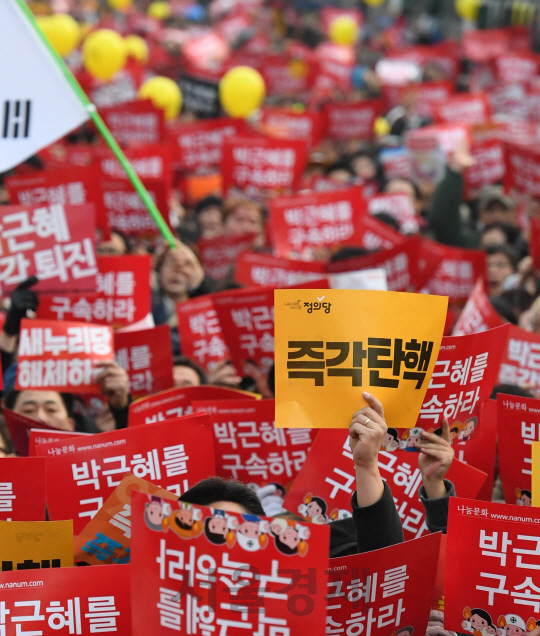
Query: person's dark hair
(321, 503)
(519, 298)
(11, 397)
(348, 252)
(511, 232)
(340, 164)
(510, 389)
(388, 219)
(213, 489)
(208, 202)
(213, 537)
(527, 493)
(482, 614)
(504, 308)
(414, 185)
(5, 439)
(505, 250)
(123, 237)
(184, 361)
(393, 433)
(272, 379)
(280, 490)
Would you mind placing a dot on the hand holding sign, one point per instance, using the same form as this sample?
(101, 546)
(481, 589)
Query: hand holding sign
(23, 299)
(436, 455)
(114, 383)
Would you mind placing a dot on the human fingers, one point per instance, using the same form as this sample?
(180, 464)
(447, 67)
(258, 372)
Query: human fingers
(369, 417)
(375, 404)
(446, 430)
(433, 439)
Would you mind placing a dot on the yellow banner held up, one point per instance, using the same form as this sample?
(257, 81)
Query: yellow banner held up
(331, 345)
(36, 544)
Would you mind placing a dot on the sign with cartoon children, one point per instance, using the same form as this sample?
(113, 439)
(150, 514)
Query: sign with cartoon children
(331, 345)
(196, 568)
(497, 592)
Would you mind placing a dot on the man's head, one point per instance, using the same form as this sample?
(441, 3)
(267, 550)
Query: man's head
(116, 246)
(501, 263)
(209, 215)
(222, 494)
(49, 407)
(187, 373)
(242, 216)
(171, 279)
(495, 207)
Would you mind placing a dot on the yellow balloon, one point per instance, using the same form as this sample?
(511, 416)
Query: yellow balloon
(241, 91)
(62, 31)
(159, 10)
(136, 48)
(120, 5)
(381, 127)
(164, 93)
(344, 30)
(468, 9)
(104, 54)
(373, 3)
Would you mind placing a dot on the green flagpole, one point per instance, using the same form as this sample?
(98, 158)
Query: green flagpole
(104, 131)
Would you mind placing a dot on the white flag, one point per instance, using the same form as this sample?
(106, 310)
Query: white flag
(37, 103)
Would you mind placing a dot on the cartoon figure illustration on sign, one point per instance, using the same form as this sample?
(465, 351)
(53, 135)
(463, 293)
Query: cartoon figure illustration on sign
(338, 514)
(404, 631)
(524, 497)
(514, 625)
(390, 441)
(409, 438)
(155, 512)
(251, 533)
(468, 429)
(313, 509)
(186, 522)
(219, 528)
(478, 622)
(455, 431)
(289, 537)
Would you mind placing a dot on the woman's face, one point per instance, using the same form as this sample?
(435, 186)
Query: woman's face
(246, 219)
(171, 279)
(499, 268)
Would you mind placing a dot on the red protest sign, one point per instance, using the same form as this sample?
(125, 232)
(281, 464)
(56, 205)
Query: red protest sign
(489, 166)
(38, 436)
(265, 270)
(200, 332)
(458, 271)
(427, 96)
(285, 122)
(499, 544)
(322, 491)
(22, 489)
(175, 564)
(255, 164)
(520, 363)
(61, 356)
(126, 211)
(147, 358)
(218, 254)
(175, 457)
(523, 170)
(246, 317)
(177, 402)
(19, 427)
(150, 161)
(386, 589)
(352, 121)
(249, 447)
(138, 122)
(400, 206)
(284, 76)
(479, 450)
(87, 600)
(464, 375)
(464, 108)
(55, 243)
(516, 67)
(400, 263)
(200, 144)
(74, 185)
(518, 427)
(483, 46)
(478, 314)
(122, 294)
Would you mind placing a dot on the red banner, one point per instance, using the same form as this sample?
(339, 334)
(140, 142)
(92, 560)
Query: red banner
(520, 363)
(265, 270)
(55, 243)
(122, 298)
(89, 469)
(19, 427)
(464, 375)
(61, 356)
(352, 121)
(177, 402)
(288, 77)
(518, 426)
(38, 436)
(151, 161)
(516, 67)
(218, 255)
(523, 170)
(261, 164)
(321, 493)
(400, 206)
(464, 108)
(86, 600)
(383, 590)
(498, 587)
(489, 166)
(478, 314)
(260, 562)
(247, 323)
(66, 186)
(138, 122)
(427, 96)
(200, 332)
(22, 489)
(309, 126)
(147, 357)
(248, 446)
(200, 144)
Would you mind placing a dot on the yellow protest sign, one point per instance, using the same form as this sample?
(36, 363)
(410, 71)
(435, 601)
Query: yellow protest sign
(535, 477)
(331, 345)
(26, 545)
